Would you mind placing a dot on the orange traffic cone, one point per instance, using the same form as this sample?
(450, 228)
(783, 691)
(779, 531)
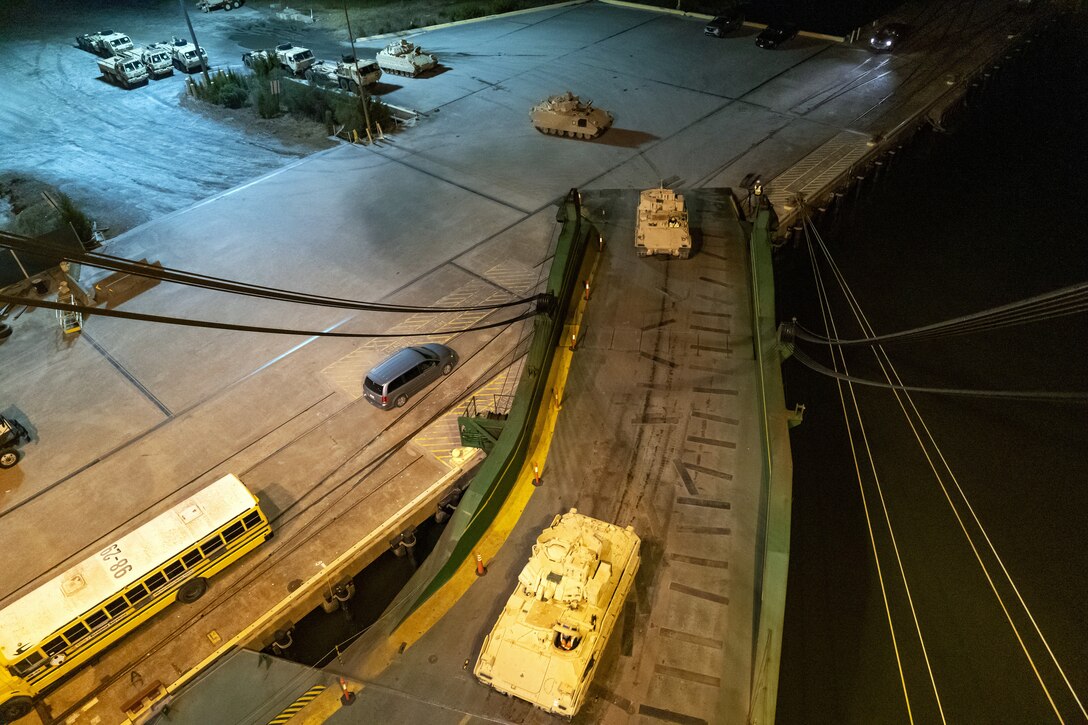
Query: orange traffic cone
(348, 696)
(480, 568)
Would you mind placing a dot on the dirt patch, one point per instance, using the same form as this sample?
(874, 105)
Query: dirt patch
(288, 129)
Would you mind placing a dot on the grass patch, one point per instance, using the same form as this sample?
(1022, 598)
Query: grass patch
(225, 88)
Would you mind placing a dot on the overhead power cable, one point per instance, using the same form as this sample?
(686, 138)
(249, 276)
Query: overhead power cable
(25, 245)
(88, 311)
(1045, 307)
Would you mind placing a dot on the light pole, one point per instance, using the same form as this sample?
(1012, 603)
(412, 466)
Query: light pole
(362, 86)
(192, 33)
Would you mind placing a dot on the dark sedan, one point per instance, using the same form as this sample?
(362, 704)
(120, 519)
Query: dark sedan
(775, 35)
(888, 38)
(724, 24)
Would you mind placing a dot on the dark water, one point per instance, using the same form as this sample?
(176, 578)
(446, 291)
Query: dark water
(319, 637)
(991, 213)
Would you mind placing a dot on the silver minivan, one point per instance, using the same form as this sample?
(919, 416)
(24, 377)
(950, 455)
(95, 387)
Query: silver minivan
(391, 382)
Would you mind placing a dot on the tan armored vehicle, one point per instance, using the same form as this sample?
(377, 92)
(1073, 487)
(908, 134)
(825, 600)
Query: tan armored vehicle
(566, 115)
(402, 58)
(548, 641)
(662, 226)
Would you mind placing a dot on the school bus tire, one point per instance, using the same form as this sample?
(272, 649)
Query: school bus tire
(192, 590)
(15, 708)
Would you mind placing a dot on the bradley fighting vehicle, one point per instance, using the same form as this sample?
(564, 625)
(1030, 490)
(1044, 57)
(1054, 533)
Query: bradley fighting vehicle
(662, 226)
(548, 641)
(567, 115)
(402, 58)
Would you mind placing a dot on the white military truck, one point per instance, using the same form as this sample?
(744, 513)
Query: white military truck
(187, 58)
(292, 57)
(126, 70)
(402, 58)
(156, 58)
(209, 5)
(348, 74)
(104, 43)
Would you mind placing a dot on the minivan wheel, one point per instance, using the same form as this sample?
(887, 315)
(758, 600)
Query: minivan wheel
(9, 458)
(447, 368)
(400, 401)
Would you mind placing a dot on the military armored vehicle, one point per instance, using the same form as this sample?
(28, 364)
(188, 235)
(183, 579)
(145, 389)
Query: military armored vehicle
(348, 74)
(105, 43)
(548, 641)
(157, 59)
(186, 56)
(126, 70)
(402, 58)
(567, 115)
(662, 226)
(294, 58)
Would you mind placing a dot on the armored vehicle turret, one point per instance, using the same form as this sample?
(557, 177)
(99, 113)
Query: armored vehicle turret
(662, 226)
(548, 641)
(567, 115)
(405, 59)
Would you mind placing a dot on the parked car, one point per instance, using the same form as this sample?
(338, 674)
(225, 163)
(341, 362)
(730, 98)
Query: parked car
(725, 23)
(888, 37)
(406, 372)
(775, 35)
(12, 434)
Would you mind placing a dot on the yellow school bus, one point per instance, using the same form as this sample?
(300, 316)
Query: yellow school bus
(51, 631)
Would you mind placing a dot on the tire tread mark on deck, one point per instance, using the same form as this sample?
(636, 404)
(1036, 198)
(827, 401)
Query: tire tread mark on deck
(705, 502)
(716, 281)
(709, 471)
(701, 594)
(699, 561)
(704, 530)
(689, 482)
(715, 391)
(688, 675)
(690, 638)
(715, 418)
(664, 715)
(663, 323)
(711, 314)
(657, 359)
(711, 348)
(702, 328)
(712, 442)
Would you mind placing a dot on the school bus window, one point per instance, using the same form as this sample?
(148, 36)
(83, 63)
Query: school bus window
(54, 646)
(254, 519)
(173, 570)
(29, 663)
(211, 547)
(96, 619)
(76, 632)
(233, 531)
(136, 594)
(156, 581)
(191, 559)
(116, 607)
